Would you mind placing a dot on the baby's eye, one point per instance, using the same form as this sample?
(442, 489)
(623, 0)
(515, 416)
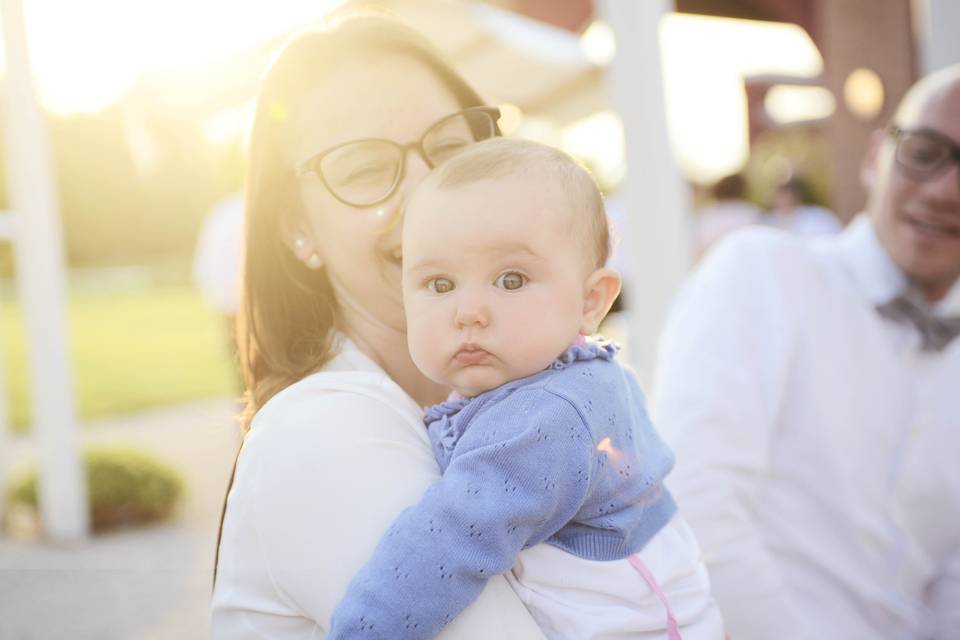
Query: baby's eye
(440, 285)
(511, 281)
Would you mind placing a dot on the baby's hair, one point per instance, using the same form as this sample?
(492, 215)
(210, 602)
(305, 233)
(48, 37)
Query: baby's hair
(503, 157)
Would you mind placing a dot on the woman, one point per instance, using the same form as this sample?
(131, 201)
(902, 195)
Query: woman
(348, 120)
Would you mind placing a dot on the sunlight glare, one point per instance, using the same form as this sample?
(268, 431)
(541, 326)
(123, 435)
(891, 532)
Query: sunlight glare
(86, 55)
(598, 140)
(705, 61)
(599, 43)
(792, 103)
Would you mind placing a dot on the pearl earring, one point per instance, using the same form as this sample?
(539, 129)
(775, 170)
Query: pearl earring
(381, 213)
(299, 245)
(314, 261)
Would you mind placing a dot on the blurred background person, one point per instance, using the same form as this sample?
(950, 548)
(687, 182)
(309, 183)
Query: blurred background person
(729, 210)
(810, 392)
(794, 211)
(217, 259)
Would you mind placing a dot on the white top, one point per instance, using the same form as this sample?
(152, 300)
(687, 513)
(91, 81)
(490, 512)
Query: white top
(816, 445)
(328, 464)
(806, 220)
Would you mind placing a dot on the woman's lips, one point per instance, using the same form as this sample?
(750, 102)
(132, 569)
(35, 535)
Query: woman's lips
(471, 355)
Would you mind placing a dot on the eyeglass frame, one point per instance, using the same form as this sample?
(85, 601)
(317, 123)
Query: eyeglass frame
(312, 164)
(953, 149)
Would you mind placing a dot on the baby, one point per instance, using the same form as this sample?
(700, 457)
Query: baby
(546, 438)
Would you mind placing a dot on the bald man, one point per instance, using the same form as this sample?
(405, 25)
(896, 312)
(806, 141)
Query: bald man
(811, 389)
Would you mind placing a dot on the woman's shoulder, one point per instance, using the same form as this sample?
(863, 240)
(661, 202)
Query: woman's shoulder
(347, 398)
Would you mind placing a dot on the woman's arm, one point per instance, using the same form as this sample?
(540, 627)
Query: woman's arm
(321, 477)
(500, 494)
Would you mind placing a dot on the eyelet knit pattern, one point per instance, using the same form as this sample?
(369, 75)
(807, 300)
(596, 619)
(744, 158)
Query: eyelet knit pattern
(566, 456)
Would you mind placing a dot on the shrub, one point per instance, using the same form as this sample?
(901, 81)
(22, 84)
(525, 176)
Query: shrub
(125, 486)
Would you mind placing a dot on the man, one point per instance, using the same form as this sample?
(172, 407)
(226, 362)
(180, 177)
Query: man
(811, 390)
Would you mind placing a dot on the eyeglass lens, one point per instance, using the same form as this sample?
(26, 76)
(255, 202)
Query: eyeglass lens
(367, 171)
(924, 155)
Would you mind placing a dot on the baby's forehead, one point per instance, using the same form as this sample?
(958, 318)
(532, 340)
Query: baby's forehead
(439, 221)
(542, 195)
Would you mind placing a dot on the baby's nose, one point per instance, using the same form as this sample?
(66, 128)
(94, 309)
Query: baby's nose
(470, 314)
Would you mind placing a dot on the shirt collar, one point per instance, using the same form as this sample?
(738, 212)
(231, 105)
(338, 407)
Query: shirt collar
(950, 305)
(878, 276)
(875, 272)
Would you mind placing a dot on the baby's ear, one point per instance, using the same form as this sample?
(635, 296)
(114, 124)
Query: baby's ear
(600, 290)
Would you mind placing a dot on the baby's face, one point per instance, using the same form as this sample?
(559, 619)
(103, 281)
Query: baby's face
(493, 281)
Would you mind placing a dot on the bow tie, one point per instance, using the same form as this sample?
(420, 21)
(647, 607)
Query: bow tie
(911, 306)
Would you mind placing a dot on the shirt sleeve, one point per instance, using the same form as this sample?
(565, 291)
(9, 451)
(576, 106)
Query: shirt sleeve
(723, 366)
(319, 482)
(943, 598)
(500, 494)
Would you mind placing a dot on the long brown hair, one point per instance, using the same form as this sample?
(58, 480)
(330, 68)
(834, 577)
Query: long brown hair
(288, 315)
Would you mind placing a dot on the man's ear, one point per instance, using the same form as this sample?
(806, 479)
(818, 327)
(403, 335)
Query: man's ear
(868, 167)
(601, 289)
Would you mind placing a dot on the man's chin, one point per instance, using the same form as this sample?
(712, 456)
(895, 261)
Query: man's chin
(934, 279)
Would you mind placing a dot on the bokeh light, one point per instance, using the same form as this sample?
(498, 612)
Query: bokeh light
(863, 94)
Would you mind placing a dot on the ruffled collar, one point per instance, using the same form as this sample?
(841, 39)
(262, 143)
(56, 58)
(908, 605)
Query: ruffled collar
(585, 350)
(579, 351)
(449, 407)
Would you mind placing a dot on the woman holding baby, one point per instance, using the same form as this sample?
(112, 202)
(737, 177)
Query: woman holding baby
(349, 119)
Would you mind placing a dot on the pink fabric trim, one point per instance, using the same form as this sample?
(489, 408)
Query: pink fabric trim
(673, 631)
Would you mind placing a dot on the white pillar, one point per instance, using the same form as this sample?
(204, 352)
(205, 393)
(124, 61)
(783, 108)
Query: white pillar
(656, 237)
(938, 33)
(5, 236)
(38, 254)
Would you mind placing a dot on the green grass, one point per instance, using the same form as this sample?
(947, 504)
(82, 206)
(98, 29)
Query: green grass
(129, 351)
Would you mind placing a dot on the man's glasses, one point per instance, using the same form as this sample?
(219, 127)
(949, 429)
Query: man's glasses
(924, 154)
(365, 172)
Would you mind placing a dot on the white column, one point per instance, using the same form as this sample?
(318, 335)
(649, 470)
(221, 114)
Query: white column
(38, 253)
(656, 237)
(5, 219)
(937, 32)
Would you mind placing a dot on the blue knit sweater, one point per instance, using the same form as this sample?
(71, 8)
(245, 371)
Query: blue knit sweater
(566, 456)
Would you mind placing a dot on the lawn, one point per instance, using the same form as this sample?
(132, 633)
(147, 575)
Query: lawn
(129, 350)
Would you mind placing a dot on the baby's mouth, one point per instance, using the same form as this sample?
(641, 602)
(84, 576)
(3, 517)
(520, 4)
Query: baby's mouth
(470, 354)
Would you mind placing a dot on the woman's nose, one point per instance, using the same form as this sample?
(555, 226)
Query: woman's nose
(415, 170)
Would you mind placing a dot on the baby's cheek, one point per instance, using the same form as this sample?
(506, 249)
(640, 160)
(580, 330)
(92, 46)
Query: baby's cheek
(417, 340)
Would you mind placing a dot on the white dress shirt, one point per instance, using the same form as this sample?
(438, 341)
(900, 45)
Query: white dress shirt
(817, 446)
(328, 464)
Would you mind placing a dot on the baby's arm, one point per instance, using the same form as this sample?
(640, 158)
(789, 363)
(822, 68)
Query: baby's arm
(508, 486)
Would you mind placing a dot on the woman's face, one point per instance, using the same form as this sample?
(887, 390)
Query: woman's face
(378, 96)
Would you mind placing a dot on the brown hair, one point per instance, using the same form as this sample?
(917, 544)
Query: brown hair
(503, 157)
(288, 315)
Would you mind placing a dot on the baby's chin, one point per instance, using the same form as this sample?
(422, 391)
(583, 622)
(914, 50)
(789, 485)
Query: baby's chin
(472, 392)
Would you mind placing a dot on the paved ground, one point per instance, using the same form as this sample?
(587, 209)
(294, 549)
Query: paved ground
(150, 583)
